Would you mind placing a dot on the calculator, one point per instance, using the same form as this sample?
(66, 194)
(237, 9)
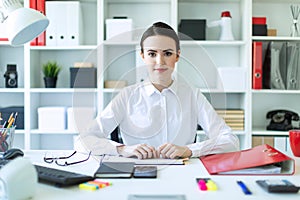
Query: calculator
(278, 186)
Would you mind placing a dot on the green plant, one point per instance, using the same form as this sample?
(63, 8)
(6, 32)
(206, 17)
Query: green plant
(51, 69)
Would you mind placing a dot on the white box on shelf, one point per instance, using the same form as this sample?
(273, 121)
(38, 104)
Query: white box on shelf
(79, 118)
(52, 118)
(232, 78)
(119, 29)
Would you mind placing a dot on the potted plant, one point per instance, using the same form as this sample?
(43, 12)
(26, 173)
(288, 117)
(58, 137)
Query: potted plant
(50, 70)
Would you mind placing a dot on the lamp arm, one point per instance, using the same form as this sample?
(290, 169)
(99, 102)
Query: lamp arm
(2, 17)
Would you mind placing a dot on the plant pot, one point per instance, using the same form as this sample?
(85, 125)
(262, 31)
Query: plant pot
(50, 82)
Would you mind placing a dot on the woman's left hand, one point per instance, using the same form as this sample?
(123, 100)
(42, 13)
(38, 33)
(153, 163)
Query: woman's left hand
(174, 151)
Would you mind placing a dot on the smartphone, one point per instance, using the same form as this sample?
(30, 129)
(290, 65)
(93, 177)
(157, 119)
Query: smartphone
(145, 172)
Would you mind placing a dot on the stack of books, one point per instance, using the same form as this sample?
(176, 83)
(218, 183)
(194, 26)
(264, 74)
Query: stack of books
(233, 118)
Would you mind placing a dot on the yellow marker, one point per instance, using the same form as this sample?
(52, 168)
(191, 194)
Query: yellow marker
(211, 185)
(87, 186)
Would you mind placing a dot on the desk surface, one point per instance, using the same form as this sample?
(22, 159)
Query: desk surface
(175, 179)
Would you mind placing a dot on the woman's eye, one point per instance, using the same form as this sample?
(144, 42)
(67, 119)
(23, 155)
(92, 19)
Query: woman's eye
(152, 54)
(168, 54)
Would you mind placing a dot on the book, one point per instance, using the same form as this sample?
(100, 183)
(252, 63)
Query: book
(262, 160)
(115, 170)
(230, 111)
(151, 161)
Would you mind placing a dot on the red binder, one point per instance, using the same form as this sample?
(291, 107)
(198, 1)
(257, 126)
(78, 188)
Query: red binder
(32, 4)
(260, 160)
(40, 6)
(257, 65)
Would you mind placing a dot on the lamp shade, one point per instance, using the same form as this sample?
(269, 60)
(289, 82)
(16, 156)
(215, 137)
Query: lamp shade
(24, 24)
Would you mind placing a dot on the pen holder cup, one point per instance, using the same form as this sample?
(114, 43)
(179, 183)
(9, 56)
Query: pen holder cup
(6, 138)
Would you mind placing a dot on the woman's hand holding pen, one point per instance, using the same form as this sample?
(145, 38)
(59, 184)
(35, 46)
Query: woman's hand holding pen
(141, 151)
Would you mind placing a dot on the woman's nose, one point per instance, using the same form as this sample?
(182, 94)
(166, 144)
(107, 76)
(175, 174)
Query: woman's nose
(160, 59)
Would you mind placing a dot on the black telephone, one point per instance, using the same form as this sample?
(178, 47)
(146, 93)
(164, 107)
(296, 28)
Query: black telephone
(281, 120)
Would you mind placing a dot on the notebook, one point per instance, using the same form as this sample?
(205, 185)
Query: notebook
(115, 170)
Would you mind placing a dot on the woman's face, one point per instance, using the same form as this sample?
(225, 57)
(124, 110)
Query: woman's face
(160, 56)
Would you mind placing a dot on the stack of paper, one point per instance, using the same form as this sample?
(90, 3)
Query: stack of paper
(233, 118)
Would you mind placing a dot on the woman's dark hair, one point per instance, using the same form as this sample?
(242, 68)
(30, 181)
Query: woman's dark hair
(160, 28)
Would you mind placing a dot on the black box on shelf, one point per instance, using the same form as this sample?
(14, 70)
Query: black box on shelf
(192, 29)
(83, 77)
(259, 30)
(6, 112)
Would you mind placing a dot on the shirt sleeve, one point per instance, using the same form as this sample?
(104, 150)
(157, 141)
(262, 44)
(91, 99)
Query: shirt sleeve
(220, 138)
(95, 137)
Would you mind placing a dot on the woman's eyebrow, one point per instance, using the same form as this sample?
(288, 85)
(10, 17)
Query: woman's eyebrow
(166, 50)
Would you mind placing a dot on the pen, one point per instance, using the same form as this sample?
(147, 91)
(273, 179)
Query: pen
(244, 188)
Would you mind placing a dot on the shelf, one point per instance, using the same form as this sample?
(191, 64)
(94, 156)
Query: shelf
(264, 132)
(81, 47)
(62, 90)
(271, 91)
(12, 90)
(212, 43)
(275, 38)
(63, 132)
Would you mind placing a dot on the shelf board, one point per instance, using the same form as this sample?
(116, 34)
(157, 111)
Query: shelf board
(80, 47)
(271, 91)
(111, 90)
(212, 43)
(12, 90)
(62, 90)
(264, 132)
(63, 132)
(118, 43)
(276, 38)
(200, 132)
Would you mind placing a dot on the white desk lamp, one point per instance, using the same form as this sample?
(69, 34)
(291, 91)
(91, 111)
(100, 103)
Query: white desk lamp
(23, 24)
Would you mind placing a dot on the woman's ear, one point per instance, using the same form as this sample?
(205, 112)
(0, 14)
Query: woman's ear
(178, 56)
(142, 55)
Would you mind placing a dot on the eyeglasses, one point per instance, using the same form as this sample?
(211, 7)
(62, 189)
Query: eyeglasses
(55, 159)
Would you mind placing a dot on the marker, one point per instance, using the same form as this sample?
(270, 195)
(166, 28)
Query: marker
(202, 185)
(244, 188)
(211, 185)
(87, 186)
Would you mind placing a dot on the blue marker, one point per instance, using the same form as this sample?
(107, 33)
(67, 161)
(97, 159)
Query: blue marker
(244, 188)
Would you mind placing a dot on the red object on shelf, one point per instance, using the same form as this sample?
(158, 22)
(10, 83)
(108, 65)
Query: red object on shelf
(225, 14)
(257, 65)
(32, 4)
(259, 20)
(3, 39)
(40, 6)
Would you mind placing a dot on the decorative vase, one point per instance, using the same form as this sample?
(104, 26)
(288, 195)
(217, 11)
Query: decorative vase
(50, 82)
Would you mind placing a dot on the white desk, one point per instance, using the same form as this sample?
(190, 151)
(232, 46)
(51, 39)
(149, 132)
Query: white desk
(170, 180)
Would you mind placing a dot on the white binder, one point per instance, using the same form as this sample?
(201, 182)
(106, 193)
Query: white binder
(65, 28)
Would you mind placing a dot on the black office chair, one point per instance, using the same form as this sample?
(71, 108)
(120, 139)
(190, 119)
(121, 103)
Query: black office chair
(116, 136)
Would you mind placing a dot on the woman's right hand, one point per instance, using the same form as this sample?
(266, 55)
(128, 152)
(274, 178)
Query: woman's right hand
(141, 151)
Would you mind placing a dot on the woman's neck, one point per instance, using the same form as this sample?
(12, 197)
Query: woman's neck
(162, 85)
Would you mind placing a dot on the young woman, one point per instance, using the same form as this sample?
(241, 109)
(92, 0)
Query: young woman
(159, 117)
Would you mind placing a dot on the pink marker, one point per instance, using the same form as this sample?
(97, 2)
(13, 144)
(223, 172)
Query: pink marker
(202, 185)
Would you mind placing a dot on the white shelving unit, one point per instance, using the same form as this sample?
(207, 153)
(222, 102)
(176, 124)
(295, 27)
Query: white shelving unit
(117, 61)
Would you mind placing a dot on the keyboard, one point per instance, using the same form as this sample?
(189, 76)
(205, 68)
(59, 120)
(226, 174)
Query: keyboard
(60, 178)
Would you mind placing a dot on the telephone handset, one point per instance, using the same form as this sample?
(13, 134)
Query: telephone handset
(281, 120)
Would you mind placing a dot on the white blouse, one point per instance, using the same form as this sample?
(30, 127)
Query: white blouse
(145, 115)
